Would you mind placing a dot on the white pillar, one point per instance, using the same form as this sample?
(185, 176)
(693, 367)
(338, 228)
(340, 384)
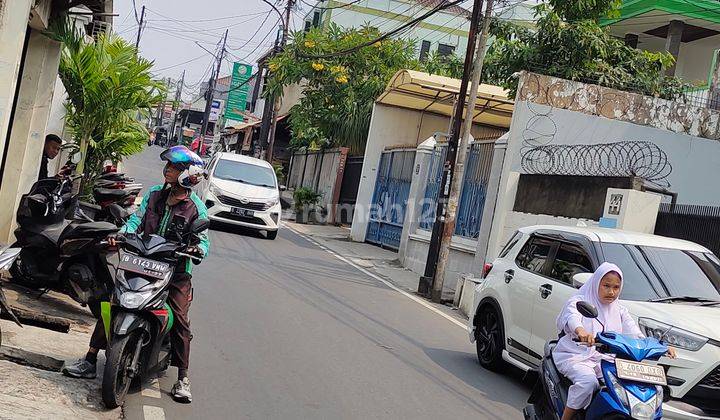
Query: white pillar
(29, 123)
(491, 201)
(423, 157)
(13, 25)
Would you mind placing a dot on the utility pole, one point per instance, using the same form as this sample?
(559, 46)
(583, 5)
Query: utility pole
(276, 106)
(268, 107)
(432, 281)
(176, 105)
(209, 95)
(140, 28)
(161, 106)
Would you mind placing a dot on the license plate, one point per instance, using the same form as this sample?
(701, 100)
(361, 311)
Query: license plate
(143, 266)
(243, 212)
(640, 372)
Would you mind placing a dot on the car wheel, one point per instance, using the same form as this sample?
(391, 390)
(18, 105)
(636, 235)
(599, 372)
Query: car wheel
(271, 235)
(489, 338)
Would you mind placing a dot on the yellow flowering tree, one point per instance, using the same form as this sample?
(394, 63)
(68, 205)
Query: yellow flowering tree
(339, 89)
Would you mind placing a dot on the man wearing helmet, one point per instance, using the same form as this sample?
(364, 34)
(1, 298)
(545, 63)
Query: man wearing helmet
(163, 204)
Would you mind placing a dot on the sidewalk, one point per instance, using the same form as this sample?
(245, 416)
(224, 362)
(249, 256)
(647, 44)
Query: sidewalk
(31, 385)
(379, 261)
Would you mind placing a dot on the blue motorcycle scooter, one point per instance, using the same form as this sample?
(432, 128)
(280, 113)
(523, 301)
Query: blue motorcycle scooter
(629, 388)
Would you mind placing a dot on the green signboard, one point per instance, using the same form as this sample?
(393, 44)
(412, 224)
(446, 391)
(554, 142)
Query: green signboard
(237, 96)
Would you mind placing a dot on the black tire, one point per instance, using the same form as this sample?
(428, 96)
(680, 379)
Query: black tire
(20, 276)
(116, 383)
(489, 339)
(271, 235)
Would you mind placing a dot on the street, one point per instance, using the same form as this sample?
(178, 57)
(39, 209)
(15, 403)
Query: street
(283, 329)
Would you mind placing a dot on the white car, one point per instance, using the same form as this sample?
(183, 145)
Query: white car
(671, 287)
(242, 191)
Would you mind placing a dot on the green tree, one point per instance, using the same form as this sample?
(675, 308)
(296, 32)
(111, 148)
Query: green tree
(569, 43)
(339, 90)
(107, 84)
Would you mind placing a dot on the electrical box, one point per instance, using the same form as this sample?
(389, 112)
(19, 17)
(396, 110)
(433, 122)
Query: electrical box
(630, 210)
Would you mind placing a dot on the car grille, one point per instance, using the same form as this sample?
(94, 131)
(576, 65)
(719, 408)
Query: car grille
(239, 218)
(252, 205)
(712, 379)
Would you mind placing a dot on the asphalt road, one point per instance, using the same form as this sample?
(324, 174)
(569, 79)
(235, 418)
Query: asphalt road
(284, 330)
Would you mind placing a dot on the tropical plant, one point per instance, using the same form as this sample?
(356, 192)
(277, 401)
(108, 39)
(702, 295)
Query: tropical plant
(570, 43)
(339, 90)
(304, 197)
(107, 84)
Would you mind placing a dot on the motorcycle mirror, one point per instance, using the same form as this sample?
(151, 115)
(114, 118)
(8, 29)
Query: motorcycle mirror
(580, 278)
(200, 225)
(586, 309)
(76, 158)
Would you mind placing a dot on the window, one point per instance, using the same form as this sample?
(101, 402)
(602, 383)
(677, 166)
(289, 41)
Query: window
(510, 244)
(445, 50)
(535, 254)
(424, 50)
(244, 173)
(316, 19)
(308, 25)
(570, 260)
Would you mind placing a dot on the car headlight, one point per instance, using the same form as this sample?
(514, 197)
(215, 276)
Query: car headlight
(673, 336)
(621, 393)
(214, 190)
(272, 202)
(133, 300)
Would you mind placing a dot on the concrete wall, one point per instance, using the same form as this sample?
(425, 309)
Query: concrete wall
(29, 125)
(320, 173)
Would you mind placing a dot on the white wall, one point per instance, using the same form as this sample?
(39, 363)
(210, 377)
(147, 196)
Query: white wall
(694, 58)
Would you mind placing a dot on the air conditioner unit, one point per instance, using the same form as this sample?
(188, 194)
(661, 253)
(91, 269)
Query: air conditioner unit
(98, 27)
(40, 14)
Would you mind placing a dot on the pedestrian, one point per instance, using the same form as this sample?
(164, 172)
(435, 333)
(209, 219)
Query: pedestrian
(182, 171)
(52, 147)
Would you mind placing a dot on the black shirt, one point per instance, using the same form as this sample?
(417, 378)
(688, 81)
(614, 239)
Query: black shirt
(43, 167)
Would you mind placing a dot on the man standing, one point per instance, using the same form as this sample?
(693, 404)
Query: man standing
(53, 144)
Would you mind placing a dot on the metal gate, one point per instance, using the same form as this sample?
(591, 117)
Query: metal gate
(389, 203)
(349, 188)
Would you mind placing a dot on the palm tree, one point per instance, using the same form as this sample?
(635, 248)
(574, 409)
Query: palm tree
(107, 84)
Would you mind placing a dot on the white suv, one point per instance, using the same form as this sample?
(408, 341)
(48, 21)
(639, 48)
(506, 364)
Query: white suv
(672, 287)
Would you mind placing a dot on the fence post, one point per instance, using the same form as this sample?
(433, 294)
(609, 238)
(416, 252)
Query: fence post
(491, 197)
(342, 156)
(423, 157)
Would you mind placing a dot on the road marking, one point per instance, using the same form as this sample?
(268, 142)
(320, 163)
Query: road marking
(150, 412)
(376, 277)
(152, 390)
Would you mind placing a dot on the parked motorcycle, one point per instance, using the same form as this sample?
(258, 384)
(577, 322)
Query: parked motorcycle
(115, 195)
(58, 252)
(7, 257)
(141, 318)
(630, 389)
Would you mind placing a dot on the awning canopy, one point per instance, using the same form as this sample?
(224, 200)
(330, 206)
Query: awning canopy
(425, 92)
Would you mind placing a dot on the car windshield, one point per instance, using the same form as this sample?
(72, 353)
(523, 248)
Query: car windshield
(246, 173)
(653, 273)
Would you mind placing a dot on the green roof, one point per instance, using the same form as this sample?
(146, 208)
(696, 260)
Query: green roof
(708, 10)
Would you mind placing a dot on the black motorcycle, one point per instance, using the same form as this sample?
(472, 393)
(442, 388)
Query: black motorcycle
(138, 319)
(58, 252)
(7, 257)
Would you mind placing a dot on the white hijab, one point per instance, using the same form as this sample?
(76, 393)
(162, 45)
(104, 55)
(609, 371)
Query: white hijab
(609, 314)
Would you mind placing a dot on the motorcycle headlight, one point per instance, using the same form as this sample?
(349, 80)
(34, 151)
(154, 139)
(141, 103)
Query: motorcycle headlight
(660, 397)
(133, 300)
(643, 410)
(673, 336)
(619, 390)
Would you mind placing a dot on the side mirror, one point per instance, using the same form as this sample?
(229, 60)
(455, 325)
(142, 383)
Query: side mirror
(580, 278)
(283, 188)
(199, 226)
(586, 309)
(76, 158)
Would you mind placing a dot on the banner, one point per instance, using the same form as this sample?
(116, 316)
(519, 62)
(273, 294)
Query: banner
(237, 96)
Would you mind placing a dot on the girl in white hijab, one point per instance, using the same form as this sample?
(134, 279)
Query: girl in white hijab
(581, 364)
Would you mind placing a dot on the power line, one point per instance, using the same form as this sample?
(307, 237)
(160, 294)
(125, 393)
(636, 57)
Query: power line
(257, 31)
(331, 8)
(387, 35)
(180, 64)
(167, 18)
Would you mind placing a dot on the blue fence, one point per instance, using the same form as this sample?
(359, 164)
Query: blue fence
(389, 204)
(472, 198)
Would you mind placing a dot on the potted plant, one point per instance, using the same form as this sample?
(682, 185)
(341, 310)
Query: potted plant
(305, 201)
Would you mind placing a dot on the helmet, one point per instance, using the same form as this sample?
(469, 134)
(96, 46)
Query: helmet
(188, 162)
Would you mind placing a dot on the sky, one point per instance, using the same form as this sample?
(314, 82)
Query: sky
(175, 27)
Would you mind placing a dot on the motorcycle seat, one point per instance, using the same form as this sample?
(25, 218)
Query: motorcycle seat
(111, 193)
(51, 232)
(565, 383)
(89, 230)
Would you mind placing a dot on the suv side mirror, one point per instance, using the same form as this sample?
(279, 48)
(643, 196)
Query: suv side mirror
(199, 225)
(580, 278)
(283, 188)
(586, 309)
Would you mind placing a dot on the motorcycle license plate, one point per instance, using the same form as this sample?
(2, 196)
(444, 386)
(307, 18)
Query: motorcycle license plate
(243, 212)
(140, 265)
(640, 372)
